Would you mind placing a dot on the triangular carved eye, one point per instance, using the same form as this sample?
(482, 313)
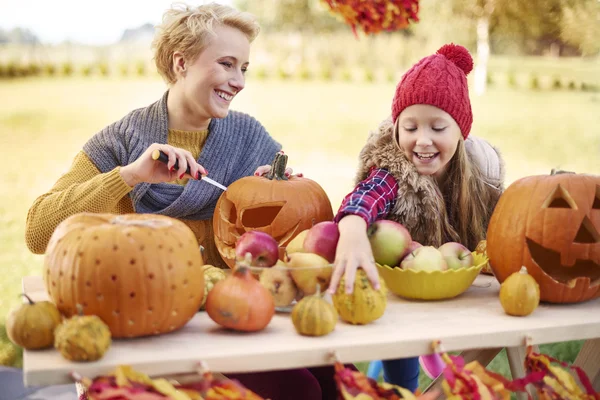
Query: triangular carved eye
(560, 198)
(587, 233)
(262, 215)
(596, 203)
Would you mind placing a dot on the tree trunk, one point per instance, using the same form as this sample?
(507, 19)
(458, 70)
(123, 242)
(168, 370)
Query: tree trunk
(483, 52)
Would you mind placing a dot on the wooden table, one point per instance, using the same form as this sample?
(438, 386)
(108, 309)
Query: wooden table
(473, 321)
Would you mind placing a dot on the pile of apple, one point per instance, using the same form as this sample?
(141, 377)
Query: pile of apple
(306, 266)
(393, 246)
(308, 259)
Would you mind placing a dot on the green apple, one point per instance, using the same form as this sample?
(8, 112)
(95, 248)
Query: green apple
(456, 255)
(389, 242)
(425, 258)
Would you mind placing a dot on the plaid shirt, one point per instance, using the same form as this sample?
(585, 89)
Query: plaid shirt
(372, 199)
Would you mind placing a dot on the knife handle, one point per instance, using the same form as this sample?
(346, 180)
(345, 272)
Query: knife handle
(164, 158)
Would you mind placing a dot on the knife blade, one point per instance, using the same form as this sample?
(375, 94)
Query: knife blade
(164, 158)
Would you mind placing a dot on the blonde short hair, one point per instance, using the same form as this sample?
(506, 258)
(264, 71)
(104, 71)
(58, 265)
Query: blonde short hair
(189, 29)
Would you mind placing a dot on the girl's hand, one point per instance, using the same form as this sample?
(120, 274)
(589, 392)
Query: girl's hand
(146, 169)
(353, 251)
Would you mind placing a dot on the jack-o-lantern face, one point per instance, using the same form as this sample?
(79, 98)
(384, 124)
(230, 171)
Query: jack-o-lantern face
(551, 225)
(275, 205)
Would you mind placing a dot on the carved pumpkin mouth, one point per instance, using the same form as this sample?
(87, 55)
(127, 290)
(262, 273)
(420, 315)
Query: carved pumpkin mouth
(549, 262)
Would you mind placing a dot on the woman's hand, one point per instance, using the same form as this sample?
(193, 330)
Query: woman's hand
(146, 169)
(353, 251)
(264, 169)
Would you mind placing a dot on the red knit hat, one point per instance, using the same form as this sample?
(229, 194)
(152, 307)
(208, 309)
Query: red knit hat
(439, 80)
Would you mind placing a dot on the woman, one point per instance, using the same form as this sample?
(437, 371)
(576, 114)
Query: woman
(202, 53)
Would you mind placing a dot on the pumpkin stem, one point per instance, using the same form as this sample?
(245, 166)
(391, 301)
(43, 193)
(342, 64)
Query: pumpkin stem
(277, 171)
(523, 270)
(555, 171)
(28, 298)
(241, 267)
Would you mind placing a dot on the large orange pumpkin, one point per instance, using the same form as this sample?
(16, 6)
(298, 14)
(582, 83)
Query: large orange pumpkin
(140, 273)
(274, 204)
(551, 225)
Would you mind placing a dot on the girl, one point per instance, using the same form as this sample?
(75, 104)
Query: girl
(423, 170)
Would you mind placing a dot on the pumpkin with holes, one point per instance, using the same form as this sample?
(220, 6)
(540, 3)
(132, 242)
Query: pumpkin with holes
(275, 204)
(140, 273)
(551, 225)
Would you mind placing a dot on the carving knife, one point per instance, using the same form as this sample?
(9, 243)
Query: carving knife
(164, 158)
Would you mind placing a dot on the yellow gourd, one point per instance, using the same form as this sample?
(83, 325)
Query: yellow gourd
(314, 316)
(32, 325)
(365, 304)
(212, 275)
(82, 338)
(519, 294)
(8, 354)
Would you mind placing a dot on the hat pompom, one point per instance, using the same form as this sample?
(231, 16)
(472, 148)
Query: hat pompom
(458, 55)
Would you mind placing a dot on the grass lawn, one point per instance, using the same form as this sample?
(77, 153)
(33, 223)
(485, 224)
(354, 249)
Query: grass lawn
(322, 127)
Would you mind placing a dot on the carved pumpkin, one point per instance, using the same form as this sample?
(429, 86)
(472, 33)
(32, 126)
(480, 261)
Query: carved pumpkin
(140, 273)
(280, 206)
(551, 225)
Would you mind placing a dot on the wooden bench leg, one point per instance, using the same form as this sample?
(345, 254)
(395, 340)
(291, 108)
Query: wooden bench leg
(588, 359)
(516, 358)
(484, 356)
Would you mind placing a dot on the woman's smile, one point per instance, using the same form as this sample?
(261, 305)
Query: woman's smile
(224, 96)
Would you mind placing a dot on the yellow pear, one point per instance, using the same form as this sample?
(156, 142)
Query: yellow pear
(279, 282)
(297, 243)
(309, 270)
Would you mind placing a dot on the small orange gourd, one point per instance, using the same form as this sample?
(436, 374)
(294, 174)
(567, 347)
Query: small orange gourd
(520, 294)
(240, 302)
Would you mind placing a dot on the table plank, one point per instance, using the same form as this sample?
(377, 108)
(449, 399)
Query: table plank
(474, 320)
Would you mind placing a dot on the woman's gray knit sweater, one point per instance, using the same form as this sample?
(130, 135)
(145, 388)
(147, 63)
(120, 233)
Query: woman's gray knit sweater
(235, 146)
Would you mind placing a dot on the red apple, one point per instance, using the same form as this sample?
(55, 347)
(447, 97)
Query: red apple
(322, 240)
(425, 258)
(389, 242)
(456, 255)
(263, 249)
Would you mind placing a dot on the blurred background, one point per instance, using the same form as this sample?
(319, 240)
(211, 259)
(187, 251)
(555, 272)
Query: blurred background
(67, 70)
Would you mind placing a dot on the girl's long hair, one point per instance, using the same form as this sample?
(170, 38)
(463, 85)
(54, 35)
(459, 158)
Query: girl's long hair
(469, 200)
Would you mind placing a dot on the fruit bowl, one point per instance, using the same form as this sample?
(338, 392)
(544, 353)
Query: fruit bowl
(431, 285)
(289, 285)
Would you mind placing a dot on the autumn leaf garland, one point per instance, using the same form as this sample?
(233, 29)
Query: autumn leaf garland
(375, 16)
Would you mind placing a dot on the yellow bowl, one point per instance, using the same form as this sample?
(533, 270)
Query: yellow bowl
(434, 285)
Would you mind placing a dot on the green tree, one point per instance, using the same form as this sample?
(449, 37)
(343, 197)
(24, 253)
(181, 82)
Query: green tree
(291, 15)
(580, 26)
